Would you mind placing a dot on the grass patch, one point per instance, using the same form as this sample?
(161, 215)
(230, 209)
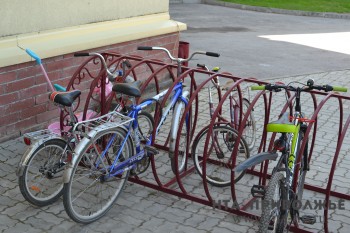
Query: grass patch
(338, 6)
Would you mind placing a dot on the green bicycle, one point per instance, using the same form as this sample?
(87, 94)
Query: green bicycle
(278, 196)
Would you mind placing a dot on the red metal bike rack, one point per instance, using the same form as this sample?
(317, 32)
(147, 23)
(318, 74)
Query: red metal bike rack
(154, 72)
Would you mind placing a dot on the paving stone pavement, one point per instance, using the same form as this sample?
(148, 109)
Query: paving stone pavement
(141, 209)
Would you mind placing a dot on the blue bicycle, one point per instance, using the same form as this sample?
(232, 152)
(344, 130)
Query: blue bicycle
(103, 160)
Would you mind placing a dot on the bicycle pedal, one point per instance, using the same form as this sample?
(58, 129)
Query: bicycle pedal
(151, 149)
(308, 219)
(258, 191)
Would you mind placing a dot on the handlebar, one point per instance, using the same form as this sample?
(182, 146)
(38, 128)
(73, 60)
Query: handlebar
(34, 55)
(215, 81)
(178, 60)
(310, 86)
(111, 76)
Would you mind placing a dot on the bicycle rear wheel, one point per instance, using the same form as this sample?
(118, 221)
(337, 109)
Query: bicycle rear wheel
(249, 132)
(220, 147)
(89, 194)
(274, 214)
(41, 181)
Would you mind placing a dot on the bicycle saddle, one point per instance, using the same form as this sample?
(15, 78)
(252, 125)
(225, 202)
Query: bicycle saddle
(64, 98)
(282, 125)
(131, 89)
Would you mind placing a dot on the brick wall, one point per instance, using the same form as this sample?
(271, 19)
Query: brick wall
(24, 104)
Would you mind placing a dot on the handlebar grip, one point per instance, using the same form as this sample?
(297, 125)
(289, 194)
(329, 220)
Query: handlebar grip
(33, 55)
(340, 89)
(81, 54)
(201, 65)
(257, 88)
(144, 48)
(211, 54)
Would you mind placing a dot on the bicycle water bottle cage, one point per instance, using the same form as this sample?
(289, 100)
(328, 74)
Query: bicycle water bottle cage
(64, 98)
(282, 125)
(130, 89)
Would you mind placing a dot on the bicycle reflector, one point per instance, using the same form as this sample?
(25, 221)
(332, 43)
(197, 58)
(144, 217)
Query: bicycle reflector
(27, 141)
(291, 118)
(279, 144)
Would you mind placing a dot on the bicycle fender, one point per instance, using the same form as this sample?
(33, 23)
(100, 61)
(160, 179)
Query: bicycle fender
(30, 150)
(254, 160)
(175, 124)
(77, 150)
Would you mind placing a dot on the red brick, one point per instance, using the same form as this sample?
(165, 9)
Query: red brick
(8, 77)
(59, 65)
(20, 105)
(7, 69)
(29, 112)
(33, 91)
(28, 72)
(34, 128)
(53, 76)
(69, 72)
(20, 125)
(46, 116)
(39, 99)
(8, 119)
(2, 89)
(9, 98)
(20, 84)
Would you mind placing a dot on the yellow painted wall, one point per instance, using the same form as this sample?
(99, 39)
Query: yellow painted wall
(56, 27)
(25, 16)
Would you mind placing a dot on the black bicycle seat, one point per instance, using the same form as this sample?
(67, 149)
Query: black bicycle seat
(64, 98)
(130, 89)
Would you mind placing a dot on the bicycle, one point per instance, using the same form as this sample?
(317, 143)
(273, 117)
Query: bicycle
(222, 139)
(42, 164)
(279, 196)
(90, 189)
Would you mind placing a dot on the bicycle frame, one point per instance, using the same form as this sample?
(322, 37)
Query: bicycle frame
(130, 163)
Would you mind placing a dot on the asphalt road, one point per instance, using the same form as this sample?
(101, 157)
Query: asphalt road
(236, 35)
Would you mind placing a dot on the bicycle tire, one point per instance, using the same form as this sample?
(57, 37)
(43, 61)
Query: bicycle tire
(145, 126)
(43, 189)
(92, 203)
(302, 173)
(271, 199)
(182, 148)
(249, 132)
(216, 175)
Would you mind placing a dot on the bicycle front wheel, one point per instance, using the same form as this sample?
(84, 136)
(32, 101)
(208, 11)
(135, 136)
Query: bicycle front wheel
(274, 213)
(41, 181)
(220, 147)
(91, 192)
(183, 137)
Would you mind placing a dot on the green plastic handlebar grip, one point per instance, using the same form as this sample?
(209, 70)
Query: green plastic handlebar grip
(340, 89)
(257, 88)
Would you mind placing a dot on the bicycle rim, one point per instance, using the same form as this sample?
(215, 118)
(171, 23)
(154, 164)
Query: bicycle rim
(249, 132)
(220, 147)
(88, 196)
